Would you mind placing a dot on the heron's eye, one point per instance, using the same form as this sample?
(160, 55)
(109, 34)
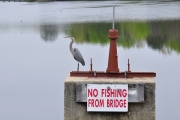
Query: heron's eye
(74, 50)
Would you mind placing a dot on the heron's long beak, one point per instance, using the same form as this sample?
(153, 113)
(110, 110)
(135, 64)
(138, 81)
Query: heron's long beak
(66, 37)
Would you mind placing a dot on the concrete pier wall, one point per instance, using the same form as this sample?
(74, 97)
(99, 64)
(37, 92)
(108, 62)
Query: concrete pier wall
(136, 111)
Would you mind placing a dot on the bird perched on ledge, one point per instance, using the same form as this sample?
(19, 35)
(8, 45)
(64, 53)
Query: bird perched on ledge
(76, 53)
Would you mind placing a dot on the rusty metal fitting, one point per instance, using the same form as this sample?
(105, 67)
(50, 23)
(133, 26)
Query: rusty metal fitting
(113, 34)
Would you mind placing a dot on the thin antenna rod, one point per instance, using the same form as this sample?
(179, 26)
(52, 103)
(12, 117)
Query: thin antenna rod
(113, 15)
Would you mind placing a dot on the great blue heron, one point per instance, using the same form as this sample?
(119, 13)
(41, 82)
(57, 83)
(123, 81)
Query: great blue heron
(76, 53)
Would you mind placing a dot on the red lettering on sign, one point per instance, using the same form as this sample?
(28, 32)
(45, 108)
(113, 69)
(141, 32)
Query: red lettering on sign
(96, 103)
(103, 98)
(119, 92)
(108, 92)
(101, 102)
(124, 93)
(124, 103)
(92, 92)
(121, 103)
(116, 103)
(102, 92)
(95, 92)
(89, 102)
(107, 102)
(113, 92)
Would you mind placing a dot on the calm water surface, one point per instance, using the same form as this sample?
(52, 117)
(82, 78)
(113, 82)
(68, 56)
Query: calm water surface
(35, 58)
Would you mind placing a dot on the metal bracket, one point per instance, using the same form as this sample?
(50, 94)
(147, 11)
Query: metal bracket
(135, 92)
(125, 74)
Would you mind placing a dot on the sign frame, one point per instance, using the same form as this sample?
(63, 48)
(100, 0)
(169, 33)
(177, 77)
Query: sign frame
(135, 92)
(107, 97)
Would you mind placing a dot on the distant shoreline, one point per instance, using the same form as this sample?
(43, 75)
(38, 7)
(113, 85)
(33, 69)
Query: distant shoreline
(46, 0)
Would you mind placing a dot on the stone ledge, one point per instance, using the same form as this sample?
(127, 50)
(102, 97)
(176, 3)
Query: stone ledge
(136, 111)
(110, 80)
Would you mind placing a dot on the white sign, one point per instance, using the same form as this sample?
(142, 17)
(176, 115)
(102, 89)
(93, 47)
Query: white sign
(107, 97)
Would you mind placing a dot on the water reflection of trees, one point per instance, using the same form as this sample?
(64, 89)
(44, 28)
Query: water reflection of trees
(129, 33)
(49, 32)
(163, 36)
(156, 42)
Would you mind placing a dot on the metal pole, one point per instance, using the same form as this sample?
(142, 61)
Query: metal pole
(91, 65)
(113, 15)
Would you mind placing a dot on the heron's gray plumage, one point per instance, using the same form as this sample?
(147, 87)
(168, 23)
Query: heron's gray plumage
(77, 56)
(76, 53)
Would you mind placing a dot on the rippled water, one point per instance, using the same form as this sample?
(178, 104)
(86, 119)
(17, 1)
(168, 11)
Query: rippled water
(35, 58)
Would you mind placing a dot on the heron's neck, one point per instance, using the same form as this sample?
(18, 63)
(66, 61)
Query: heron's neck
(70, 46)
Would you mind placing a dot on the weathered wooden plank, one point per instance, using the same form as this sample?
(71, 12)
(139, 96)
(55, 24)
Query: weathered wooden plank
(135, 92)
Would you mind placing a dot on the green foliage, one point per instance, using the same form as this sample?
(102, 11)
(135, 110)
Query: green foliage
(129, 32)
(156, 42)
(30, 0)
(157, 34)
(174, 45)
(90, 32)
(164, 33)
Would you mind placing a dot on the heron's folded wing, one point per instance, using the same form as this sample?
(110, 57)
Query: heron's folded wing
(78, 56)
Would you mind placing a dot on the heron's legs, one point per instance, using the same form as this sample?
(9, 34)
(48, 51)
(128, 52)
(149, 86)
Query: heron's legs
(78, 67)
